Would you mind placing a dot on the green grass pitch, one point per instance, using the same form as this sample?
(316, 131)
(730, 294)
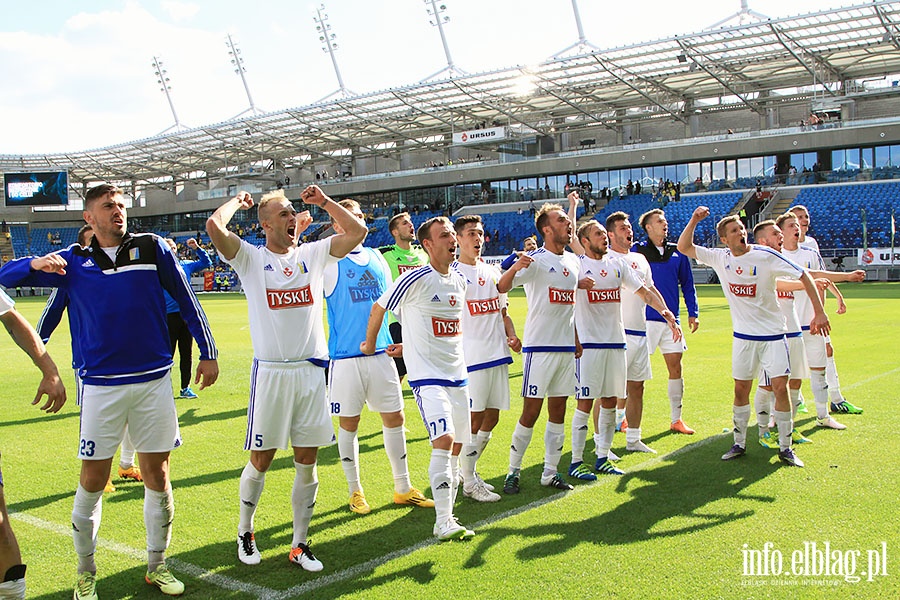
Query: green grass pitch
(680, 523)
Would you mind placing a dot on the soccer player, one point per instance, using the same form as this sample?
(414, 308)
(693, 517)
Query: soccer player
(283, 283)
(115, 290)
(48, 322)
(747, 274)
(355, 380)
(430, 301)
(550, 277)
(671, 271)
(488, 335)
(839, 404)
(637, 353)
(601, 370)
(12, 570)
(179, 335)
(401, 256)
(815, 345)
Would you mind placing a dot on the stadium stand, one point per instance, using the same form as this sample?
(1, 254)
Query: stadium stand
(837, 213)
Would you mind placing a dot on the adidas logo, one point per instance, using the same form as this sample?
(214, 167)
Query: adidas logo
(473, 453)
(403, 457)
(247, 503)
(268, 268)
(552, 270)
(436, 298)
(444, 486)
(87, 263)
(513, 448)
(366, 276)
(559, 449)
(346, 459)
(583, 428)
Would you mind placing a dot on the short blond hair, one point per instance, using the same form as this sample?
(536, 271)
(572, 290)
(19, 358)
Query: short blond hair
(267, 198)
(584, 230)
(723, 223)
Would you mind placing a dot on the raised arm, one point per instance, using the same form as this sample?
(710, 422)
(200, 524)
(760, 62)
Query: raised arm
(27, 339)
(354, 230)
(505, 283)
(686, 239)
(226, 242)
(576, 246)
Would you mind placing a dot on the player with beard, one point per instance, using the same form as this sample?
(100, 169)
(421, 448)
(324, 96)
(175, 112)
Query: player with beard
(748, 276)
(488, 335)
(550, 277)
(839, 404)
(601, 369)
(671, 272)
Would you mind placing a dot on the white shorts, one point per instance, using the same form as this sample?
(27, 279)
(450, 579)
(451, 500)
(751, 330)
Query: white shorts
(600, 373)
(748, 357)
(799, 369)
(816, 354)
(445, 410)
(548, 374)
(660, 336)
(364, 381)
(147, 408)
(489, 388)
(637, 357)
(287, 407)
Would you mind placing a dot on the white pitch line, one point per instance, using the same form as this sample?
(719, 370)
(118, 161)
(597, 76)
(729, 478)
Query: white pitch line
(140, 556)
(870, 379)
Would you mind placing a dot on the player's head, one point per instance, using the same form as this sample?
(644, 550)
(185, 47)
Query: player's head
(621, 235)
(593, 238)
(803, 217)
(85, 235)
(655, 224)
(732, 232)
(768, 233)
(789, 223)
(278, 219)
(402, 228)
(554, 225)
(439, 240)
(354, 209)
(105, 212)
(529, 243)
(469, 236)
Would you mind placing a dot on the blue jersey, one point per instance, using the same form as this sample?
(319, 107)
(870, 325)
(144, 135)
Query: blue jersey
(670, 269)
(117, 309)
(51, 317)
(189, 267)
(349, 304)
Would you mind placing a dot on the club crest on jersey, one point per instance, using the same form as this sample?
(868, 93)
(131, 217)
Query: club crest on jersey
(280, 299)
(134, 253)
(481, 281)
(452, 300)
(351, 273)
(634, 265)
(603, 273)
(287, 271)
(743, 290)
(558, 296)
(565, 272)
(445, 327)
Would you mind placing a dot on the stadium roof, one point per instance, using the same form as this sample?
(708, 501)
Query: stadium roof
(747, 66)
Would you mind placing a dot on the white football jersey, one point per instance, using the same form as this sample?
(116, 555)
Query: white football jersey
(786, 304)
(808, 258)
(550, 282)
(285, 298)
(484, 337)
(430, 306)
(811, 242)
(749, 285)
(598, 311)
(6, 303)
(634, 310)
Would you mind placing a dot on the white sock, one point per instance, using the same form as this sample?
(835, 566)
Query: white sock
(440, 476)
(763, 403)
(795, 400)
(159, 511)
(303, 500)
(348, 450)
(483, 438)
(521, 437)
(741, 420)
(454, 478)
(831, 377)
(468, 458)
(676, 394)
(13, 590)
(579, 435)
(606, 428)
(395, 448)
(785, 427)
(820, 391)
(251, 488)
(632, 435)
(126, 455)
(86, 514)
(554, 439)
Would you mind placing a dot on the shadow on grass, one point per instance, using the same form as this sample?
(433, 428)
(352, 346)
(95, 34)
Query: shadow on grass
(190, 417)
(656, 494)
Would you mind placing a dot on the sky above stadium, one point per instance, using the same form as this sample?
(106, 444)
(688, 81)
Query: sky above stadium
(79, 75)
